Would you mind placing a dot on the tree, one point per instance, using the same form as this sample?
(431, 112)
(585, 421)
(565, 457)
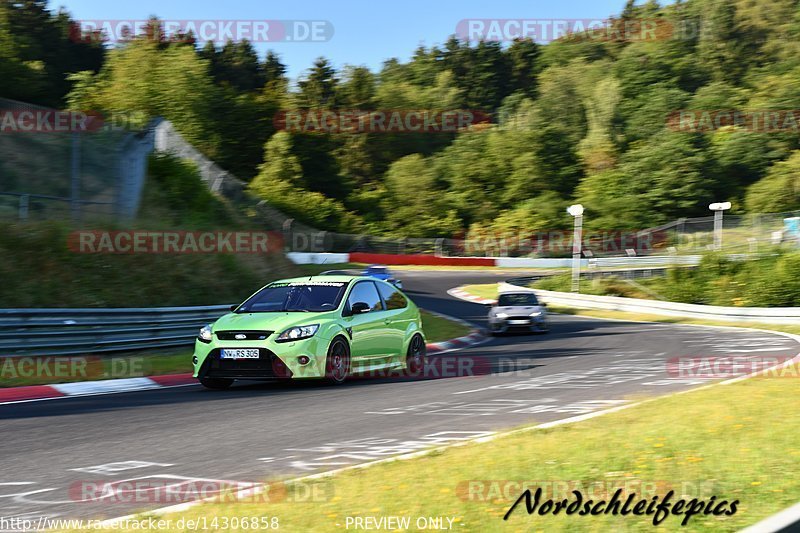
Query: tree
(273, 69)
(523, 55)
(280, 182)
(413, 204)
(598, 150)
(779, 191)
(357, 89)
(318, 86)
(657, 181)
(280, 164)
(38, 51)
(236, 65)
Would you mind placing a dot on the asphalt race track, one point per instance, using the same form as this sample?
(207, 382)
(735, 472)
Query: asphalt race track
(51, 449)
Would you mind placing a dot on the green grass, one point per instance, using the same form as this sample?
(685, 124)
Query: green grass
(735, 442)
(486, 290)
(13, 370)
(439, 329)
(157, 362)
(39, 270)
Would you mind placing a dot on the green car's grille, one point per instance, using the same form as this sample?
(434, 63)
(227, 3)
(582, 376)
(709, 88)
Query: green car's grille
(246, 335)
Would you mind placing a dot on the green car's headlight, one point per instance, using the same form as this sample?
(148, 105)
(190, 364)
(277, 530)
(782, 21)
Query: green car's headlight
(205, 333)
(298, 333)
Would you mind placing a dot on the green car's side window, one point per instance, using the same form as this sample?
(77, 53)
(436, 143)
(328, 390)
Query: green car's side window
(365, 291)
(392, 297)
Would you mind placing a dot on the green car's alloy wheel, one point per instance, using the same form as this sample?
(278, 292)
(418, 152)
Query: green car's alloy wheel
(337, 365)
(415, 358)
(216, 383)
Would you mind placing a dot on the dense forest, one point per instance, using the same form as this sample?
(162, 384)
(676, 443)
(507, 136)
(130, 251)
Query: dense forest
(579, 119)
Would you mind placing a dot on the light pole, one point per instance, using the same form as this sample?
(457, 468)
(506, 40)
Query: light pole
(577, 240)
(718, 208)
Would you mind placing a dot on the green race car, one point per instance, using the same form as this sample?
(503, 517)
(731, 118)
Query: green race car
(327, 327)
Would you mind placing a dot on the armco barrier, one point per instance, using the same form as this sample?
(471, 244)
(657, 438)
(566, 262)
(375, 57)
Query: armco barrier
(764, 315)
(82, 331)
(305, 258)
(418, 259)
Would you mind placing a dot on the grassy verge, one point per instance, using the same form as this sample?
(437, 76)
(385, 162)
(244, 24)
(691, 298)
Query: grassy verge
(734, 442)
(14, 372)
(490, 291)
(439, 329)
(486, 290)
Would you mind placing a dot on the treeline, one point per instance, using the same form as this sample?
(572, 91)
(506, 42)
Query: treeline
(580, 119)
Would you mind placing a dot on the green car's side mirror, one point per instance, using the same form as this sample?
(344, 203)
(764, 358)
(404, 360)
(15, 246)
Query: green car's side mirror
(359, 308)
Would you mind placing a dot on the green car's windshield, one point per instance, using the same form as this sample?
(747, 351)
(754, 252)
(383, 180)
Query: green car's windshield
(311, 296)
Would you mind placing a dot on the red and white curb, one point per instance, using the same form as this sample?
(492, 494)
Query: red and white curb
(472, 339)
(461, 294)
(92, 388)
(114, 386)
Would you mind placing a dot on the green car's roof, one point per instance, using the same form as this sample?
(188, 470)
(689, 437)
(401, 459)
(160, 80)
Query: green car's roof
(335, 279)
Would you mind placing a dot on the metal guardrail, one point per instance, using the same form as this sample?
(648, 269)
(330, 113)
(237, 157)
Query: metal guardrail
(83, 331)
(633, 273)
(656, 260)
(764, 315)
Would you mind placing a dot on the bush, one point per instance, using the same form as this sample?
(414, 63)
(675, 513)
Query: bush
(175, 184)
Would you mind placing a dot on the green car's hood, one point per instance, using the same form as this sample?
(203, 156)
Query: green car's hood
(276, 322)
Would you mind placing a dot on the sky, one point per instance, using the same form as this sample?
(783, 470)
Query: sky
(364, 32)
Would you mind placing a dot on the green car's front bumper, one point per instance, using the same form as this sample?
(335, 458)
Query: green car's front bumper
(277, 360)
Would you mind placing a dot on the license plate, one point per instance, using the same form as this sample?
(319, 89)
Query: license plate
(515, 322)
(240, 353)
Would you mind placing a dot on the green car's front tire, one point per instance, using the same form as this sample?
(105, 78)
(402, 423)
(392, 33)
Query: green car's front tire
(337, 364)
(216, 383)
